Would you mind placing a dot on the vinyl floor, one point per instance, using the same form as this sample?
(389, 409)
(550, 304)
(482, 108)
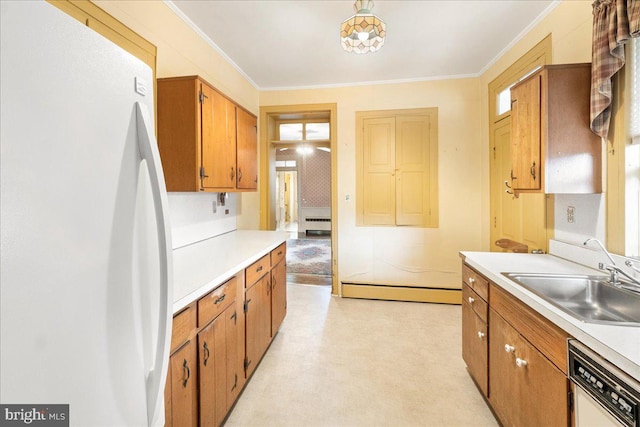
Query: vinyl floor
(349, 362)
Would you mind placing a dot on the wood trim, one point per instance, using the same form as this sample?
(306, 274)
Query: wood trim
(90, 14)
(402, 293)
(267, 171)
(539, 55)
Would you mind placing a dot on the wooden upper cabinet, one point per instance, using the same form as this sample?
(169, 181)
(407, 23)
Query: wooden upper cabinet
(218, 140)
(552, 148)
(247, 135)
(201, 144)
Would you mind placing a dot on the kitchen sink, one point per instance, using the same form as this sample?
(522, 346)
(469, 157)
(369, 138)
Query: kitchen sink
(591, 299)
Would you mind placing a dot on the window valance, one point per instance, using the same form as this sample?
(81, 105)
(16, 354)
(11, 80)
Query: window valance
(614, 23)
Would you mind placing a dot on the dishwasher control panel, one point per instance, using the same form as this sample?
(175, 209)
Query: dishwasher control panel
(611, 388)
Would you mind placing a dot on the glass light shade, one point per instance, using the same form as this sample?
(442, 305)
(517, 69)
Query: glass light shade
(363, 32)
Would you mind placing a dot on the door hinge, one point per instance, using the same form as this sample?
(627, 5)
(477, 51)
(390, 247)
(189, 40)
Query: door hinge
(246, 305)
(201, 97)
(570, 401)
(495, 221)
(494, 152)
(247, 362)
(202, 174)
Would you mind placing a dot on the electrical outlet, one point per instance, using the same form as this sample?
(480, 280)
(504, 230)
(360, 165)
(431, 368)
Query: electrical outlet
(571, 214)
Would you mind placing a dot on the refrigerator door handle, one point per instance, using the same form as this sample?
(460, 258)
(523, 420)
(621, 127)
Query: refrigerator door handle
(157, 375)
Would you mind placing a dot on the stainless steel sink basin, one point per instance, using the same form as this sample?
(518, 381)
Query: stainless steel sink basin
(588, 298)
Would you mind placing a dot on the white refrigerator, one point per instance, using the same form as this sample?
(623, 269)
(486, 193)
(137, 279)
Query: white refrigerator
(86, 266)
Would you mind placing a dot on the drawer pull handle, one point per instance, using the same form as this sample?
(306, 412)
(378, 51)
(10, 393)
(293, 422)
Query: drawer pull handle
(509, 348)
(187, 371)
(521, 363)
(279, 253)
(220, 299)
(472, 280)
(480, 334)
(472, 300)
(259, 269)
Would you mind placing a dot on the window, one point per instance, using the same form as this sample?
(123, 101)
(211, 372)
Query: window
(303, 131)
(397, 168)
(634, 87)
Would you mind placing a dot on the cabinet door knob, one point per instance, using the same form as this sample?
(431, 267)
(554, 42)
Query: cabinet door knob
(481, 334)
(471, 300)
(472, 280)
(521, 363)
(509, 348)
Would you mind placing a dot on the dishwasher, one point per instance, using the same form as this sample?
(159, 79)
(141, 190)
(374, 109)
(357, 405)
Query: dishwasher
(604, 395)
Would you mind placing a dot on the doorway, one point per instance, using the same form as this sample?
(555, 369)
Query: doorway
(287, 201)
(298, 181)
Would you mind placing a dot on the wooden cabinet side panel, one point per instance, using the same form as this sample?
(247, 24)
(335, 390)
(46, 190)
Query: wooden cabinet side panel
(220, 368)
(247, 151)
(178, 133)
(573, 149)
(540, 332)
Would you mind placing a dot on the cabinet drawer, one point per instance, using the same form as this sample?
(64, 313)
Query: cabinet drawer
(257, 270)
(212, 304)
(479, 306)
(278, 254)
(548, 338)
(476, 281)
(183, 324)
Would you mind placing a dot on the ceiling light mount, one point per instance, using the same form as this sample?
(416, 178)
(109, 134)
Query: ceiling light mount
(363, 32)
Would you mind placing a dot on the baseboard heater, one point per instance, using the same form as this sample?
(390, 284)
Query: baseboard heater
(318, 226)
(402, 293)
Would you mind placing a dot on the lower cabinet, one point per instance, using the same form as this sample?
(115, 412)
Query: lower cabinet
(257, 306)
(183, 381)
(516, 356)
(526, 388)
(218, 340)
(218, 368)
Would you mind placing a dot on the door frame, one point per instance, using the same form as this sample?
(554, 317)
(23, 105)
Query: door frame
(540, 54)
(267, 176)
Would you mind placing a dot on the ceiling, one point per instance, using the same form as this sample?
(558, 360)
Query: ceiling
(294, 44)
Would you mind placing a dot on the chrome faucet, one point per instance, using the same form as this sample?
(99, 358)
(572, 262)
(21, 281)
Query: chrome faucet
(615, 271)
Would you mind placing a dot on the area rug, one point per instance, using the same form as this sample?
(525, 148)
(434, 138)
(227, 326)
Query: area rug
(307, 256)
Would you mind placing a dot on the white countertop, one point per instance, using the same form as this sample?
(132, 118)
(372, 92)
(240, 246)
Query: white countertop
(200, 267)
(619, 344)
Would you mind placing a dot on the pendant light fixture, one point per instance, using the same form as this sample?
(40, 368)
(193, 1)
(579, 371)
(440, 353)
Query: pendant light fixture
(363, 32)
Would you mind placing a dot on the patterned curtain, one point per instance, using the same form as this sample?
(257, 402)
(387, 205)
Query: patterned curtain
(614, 22)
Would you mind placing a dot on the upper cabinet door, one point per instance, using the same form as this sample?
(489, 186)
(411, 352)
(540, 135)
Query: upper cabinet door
(247, 175)
(218, 140)
(525, 135)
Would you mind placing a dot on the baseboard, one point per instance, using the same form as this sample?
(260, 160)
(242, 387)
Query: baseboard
(402, 293)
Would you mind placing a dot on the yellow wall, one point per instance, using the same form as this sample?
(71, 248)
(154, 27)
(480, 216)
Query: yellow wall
(182, 52)
(404, 254)
(429, 256)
